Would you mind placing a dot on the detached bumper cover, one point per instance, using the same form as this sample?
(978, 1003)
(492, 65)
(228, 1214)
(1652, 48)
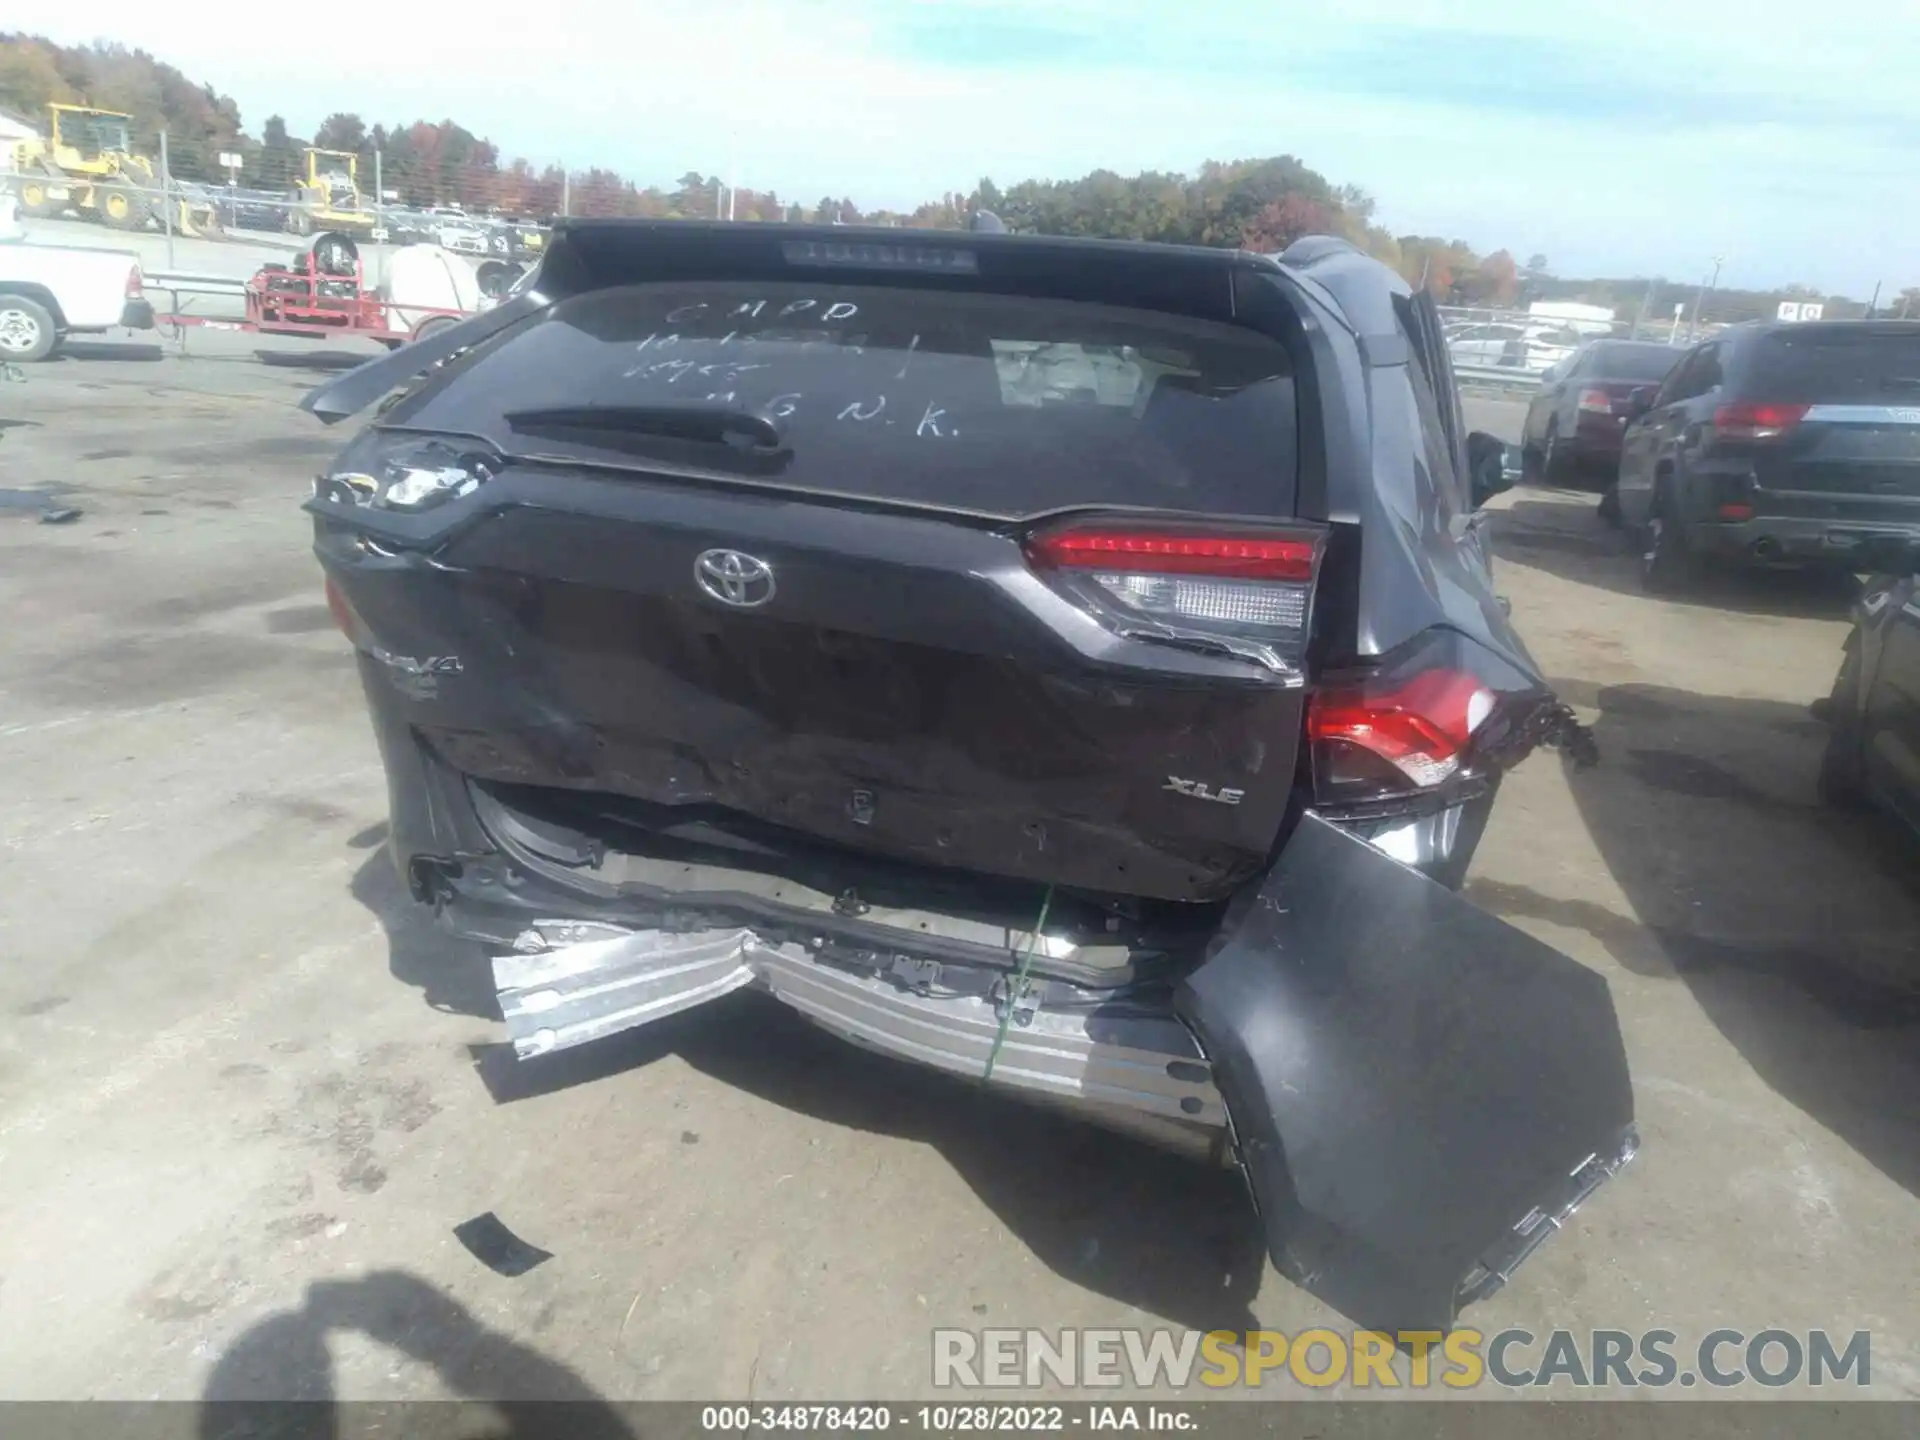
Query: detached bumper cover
(1420, 1093)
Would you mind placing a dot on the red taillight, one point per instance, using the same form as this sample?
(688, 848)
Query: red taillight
(1229, 557)
(134, 287)
(1748, 420)
(344, 615)
(1244, 590)
(1419, 726)
(1596, 402)
(1734, 510)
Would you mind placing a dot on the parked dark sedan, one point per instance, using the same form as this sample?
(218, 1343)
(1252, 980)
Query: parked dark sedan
(1873, 741)
(1073, 665)
(1777, 444)
(1575, 420)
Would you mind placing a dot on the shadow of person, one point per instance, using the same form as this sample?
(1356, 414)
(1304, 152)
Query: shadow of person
(1563, 536)
(1791, 924)
(275, 1382)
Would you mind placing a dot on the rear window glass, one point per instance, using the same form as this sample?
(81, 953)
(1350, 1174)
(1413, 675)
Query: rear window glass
(1632, 362)
(999, 404)
(1836, 364)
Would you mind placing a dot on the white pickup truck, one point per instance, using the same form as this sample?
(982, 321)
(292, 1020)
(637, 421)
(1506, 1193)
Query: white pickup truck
(48, 292)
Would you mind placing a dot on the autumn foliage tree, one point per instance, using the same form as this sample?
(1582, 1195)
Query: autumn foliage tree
(1281, 222)
(35, 72)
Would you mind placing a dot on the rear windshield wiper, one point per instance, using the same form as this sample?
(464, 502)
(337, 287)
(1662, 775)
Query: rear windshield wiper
(754, 431)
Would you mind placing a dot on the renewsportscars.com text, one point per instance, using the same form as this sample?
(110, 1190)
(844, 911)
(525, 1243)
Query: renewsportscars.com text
(1412, 1359)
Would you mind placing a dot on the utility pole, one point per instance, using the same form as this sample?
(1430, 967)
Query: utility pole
(1646, 304)
(1700, 297)
(1874, 304)
(166, 197)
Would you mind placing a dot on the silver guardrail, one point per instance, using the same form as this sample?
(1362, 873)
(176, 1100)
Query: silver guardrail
(1496, 377)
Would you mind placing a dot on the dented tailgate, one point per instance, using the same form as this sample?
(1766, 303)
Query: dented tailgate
(1420, 1092)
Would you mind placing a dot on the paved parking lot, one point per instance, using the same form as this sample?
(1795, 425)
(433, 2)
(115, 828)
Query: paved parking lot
(246, 1092)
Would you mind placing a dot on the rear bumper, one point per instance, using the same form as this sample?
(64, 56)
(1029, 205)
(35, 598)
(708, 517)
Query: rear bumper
(1768, 539)
(1420, 1094)
(137, 315)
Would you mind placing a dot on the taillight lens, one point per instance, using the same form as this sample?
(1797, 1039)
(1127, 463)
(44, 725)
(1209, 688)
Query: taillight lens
(1413, 722)
(1596, 402)
(1248, 557)
(344, 615)
(1245, 590)
(1749, 420)
(135, 288)
(1420, 727)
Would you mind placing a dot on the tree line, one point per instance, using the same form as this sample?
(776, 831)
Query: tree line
(1261, 204)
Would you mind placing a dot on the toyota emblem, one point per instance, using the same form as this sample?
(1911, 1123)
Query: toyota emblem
(734, 579)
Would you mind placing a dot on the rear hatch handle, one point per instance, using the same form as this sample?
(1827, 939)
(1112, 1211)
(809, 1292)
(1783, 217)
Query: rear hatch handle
(1419, 1093)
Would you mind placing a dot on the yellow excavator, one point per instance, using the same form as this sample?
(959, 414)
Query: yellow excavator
(327, 197)
(86, 162)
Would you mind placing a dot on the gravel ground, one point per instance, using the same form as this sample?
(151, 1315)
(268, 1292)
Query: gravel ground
(246, 1091)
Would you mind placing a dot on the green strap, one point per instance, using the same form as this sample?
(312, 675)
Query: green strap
(1019, 983)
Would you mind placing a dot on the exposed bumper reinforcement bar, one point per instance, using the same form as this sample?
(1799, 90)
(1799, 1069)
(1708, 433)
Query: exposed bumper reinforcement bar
(570, 982)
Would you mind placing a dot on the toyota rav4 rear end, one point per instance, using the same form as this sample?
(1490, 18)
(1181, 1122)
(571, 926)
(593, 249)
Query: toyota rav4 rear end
(1064, 663)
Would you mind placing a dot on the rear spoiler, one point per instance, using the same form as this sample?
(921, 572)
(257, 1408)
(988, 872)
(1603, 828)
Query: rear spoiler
(588, 255)
(351, 392)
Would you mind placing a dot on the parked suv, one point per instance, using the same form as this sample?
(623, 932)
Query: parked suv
(1873, 743)
(1576, 419)
(1777, 444)
(1052, 661)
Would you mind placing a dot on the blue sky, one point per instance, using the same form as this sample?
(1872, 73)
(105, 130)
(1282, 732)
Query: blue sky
(1620, 137)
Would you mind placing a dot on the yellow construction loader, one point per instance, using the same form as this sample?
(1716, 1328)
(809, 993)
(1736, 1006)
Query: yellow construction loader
(86, 163)
(328, 196)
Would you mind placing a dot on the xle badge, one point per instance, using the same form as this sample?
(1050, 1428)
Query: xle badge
(1200, 790)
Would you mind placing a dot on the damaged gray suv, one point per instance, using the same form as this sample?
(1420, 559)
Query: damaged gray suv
(1068, 663)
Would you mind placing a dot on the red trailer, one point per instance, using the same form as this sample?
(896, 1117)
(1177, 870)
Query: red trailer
(323, 294)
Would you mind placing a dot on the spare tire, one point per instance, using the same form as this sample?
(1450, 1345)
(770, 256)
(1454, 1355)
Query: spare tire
(497, 277)
(335, 254)
(433, 325)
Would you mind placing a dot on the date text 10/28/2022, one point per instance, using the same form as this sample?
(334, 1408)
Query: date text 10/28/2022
(948, 1419)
